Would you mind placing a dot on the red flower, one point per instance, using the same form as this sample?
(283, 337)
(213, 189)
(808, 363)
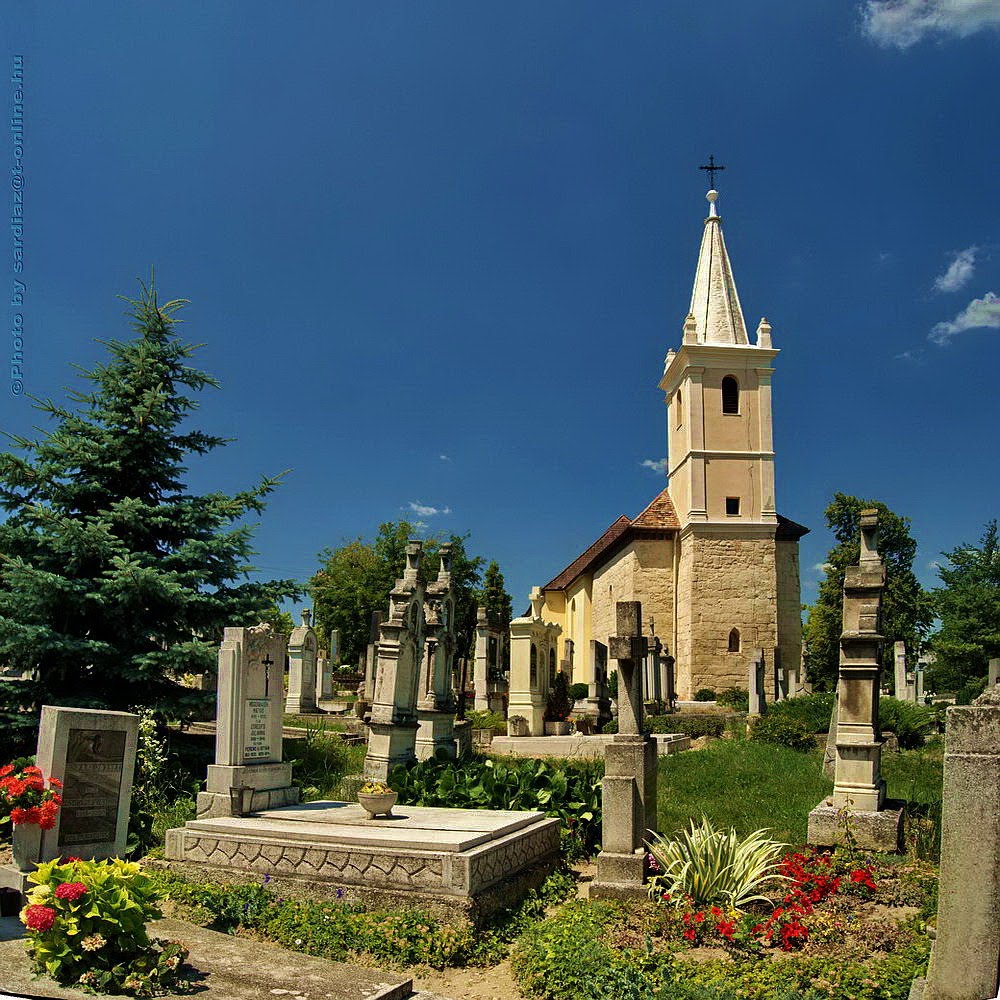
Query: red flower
(716, 912)
(5, 770)
(55, 783)
(699, 917)
(70, 890)
(39, 918)
(727, 928)
(70, 859)
(690, 934)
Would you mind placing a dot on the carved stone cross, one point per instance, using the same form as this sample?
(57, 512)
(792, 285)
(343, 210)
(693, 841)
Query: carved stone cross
(629, 648)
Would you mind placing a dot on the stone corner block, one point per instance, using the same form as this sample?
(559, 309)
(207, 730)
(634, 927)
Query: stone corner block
(873, 831)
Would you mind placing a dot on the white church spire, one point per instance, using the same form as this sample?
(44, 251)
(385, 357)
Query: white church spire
(715, 305)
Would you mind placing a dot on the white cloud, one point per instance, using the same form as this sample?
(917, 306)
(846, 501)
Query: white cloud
(822, 567)
(959, 273)
(978, 314)
(444, 458)
(424, 511)
(916, 356)
(902, 23)
(657, 465)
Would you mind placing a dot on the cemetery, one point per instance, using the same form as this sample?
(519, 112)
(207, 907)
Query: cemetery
(667, 778)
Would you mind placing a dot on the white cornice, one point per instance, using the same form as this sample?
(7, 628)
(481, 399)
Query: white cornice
(740, 357)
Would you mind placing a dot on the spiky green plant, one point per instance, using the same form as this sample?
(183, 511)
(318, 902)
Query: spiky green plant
(711, 866)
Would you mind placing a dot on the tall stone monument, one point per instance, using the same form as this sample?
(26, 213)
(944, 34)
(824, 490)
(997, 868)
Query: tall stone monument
(966, 955)
(393, 724)
(598, 700)
(856, 809)
(755, 684)
(488, 664)
(248, 773)
(993, 676)
(92, 752)
(436, 707)
(899, 673)
(629, 787)
(533, 643)
(302, 657)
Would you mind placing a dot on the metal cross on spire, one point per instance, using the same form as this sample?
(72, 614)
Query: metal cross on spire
(712, 167)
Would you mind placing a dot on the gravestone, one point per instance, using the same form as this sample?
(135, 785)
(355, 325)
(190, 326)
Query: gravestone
(652, 680)
(324, 677)
(856, 810)
(533, 644)
(899, 675)
(335, 646)
(628, 792)
(993, 677)
(92, 752)
(780, 677)
(392, 729)
(248, 773)
(598, 701)
(755, 684)
(436, 707)
(488, 667)
(965, 957)
(302, 656)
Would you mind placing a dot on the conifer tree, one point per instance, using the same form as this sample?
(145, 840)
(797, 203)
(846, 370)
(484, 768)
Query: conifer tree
(115, 580)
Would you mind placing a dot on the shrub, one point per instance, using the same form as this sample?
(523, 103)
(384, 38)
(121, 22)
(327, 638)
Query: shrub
(735, 698)
(578, 691)
(911, 723)
(704, 694)
(559, 705)
(495, 722)
(969, 692)
(568, 790)
(86, 927)
(689, 725)
(709, 866)
(782, 731)
(321, 760)
(814, 710)
(610, 727)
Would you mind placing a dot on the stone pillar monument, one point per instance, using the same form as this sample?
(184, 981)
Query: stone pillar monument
(393, 724)
(780, 677)
(488, 665)
(966, 955)
(248, 750)
(755, 684)
(993, 677)
(436, 707)
(899, 674)
(858, 800)
(302, 656)
(532, 640)
(629, 788)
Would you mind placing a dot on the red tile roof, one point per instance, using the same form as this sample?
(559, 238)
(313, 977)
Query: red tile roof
(659, 515)
(583, 562)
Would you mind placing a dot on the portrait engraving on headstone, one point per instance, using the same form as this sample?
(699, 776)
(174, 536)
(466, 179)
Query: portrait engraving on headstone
(95, 760)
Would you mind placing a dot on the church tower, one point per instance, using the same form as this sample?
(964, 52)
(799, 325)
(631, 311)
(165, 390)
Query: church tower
(737, 585)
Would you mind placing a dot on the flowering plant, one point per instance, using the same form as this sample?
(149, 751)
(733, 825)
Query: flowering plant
(25, 799)
(86, 923)
(374, 788)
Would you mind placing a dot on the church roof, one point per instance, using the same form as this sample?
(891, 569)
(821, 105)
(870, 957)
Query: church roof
(789, 530)
(715, 304)
(658, 516)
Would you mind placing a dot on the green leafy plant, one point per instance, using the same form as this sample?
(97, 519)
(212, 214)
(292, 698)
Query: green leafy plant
(707, 866)
(689, 725)
(495, 722)
(578, 691)
(569, 790)
(704, 694)
(86, 924)
(735, 698)
(782, 731)
(813, 710)
(559, 704)
(911, 723)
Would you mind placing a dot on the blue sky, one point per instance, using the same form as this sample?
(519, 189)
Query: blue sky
(436, 252)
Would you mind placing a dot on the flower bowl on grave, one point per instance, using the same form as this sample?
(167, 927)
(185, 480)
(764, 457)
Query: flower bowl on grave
(377, 803)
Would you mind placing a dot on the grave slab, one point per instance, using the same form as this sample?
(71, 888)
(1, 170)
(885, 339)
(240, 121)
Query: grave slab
(582, 747)
(453, 861)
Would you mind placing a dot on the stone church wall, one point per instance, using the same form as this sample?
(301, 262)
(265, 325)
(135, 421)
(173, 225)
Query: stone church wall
(727, 583)
(789, 607)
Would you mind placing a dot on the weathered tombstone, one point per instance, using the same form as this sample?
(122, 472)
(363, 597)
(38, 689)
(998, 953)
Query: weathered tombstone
(780, 678)
(856, 810)
(598, 702)
(532, 662)
(899, 676)
(993, 677)
(669, 682)
(966, 954)
(755, 684)
(324, 677)
(335, 646)
(919, 672)
(487, 665)
(302, 655)
(371, 654)
(92, 753)
(248, 773)
(393, 724)
(436, 707)
(651, 680)
(629, 787)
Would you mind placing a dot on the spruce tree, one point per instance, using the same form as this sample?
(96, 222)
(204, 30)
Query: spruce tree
(115, 581)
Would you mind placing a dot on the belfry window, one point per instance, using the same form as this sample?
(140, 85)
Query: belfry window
(730, 395)
(732, 506)
(734, 641)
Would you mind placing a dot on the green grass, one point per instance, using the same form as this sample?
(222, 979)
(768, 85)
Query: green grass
(749, 786)
(915, 775)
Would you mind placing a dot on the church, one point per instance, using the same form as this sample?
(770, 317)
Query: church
(714, 564)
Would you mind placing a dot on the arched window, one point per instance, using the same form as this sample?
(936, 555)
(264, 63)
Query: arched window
(730, 395)
(534, 665)
(734, 641)
(678, 410)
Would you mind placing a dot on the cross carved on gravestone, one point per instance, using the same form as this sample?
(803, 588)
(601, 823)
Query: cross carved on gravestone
(629, 648)
(268, 663)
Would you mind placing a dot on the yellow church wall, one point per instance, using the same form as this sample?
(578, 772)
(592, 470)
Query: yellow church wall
(733, 477)
(731, 431)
